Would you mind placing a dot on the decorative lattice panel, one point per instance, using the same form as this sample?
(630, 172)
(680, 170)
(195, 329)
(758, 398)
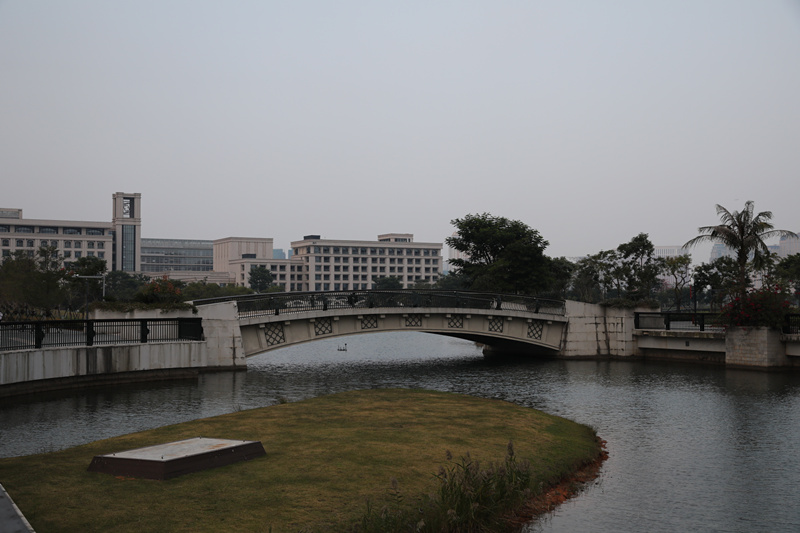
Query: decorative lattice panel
(455, 321)
(323, 326)
(413, 321)
(274, 334)
(535, 329)
(369, 322)
(496, 324)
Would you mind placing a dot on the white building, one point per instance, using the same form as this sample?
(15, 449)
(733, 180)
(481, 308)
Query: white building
(327, 264)
(117, 242)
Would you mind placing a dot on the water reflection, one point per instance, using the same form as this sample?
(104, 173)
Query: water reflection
(691, 447)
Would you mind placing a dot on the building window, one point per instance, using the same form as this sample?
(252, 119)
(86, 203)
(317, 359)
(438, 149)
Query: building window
(101, 255)
(48, 229)
(72, 231)
(29, 242)
(94, 231)
(127, 208)
(90, 244)
(6, 242)
(77, 255)
(19, 243)
(101, 245)
(129, 248)
(5, 229)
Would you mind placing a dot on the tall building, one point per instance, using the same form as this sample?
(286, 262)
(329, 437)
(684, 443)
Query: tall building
(127, 232)
(333, 265)
(117, 242)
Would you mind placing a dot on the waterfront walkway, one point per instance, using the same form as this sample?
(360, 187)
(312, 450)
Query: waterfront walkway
(11, 519)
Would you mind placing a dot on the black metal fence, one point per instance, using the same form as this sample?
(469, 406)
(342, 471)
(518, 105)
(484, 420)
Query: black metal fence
(699, 322)
(792, 326)
(298, 302)
(57, 333)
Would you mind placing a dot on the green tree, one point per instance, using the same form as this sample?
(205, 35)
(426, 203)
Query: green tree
(745, 233)
(31, 284)
(500, 255)
(122, 286)
(788, 271)
(260, 278)
(452, 281)
(679, 271)
(19, 281)
(640, 267)
(586, 280)
(388, 283)
(81, 291)
(561, 271)
(714, 281)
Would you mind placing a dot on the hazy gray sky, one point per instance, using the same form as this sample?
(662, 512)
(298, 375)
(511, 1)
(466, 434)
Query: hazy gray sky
(590, 121)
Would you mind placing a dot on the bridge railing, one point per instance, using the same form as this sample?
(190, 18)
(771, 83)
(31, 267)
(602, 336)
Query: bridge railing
(699, 322)
(59, 333)
(298, 302)
(681, 321)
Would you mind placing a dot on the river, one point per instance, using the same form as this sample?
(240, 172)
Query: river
(691, 447)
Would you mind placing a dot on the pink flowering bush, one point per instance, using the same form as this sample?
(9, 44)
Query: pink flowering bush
(161, 290)
(764, 307)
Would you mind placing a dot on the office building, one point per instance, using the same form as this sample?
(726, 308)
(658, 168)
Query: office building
(334, 265)
(117, 242)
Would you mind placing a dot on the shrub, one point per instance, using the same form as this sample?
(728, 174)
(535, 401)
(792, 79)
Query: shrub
(764, 307)
(161, 290)
(470, 498)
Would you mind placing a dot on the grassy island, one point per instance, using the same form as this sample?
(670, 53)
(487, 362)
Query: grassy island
(355, 461)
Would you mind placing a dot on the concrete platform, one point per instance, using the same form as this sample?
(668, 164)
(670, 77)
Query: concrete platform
(173, 459)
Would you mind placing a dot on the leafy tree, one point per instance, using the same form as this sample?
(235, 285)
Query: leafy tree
(19, 282)
(715, 280)
(744, 233)
(586, 280)
(640, 267)
(561, 270)
(452, 281)
(679, 271)
(31, 284)
(122, 286)
(81, 291)
(500, 254)
(788, 271)
(260, 278)
(388, 283)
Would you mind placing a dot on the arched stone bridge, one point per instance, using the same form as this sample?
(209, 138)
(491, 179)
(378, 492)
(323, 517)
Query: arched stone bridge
(505, 323)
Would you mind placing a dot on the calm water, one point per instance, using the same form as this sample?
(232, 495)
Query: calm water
(692, 448)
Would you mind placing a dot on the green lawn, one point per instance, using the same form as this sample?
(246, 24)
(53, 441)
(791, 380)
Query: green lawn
(325, 458)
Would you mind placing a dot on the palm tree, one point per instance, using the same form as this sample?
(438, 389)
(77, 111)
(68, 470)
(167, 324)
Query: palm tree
(743, 233)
